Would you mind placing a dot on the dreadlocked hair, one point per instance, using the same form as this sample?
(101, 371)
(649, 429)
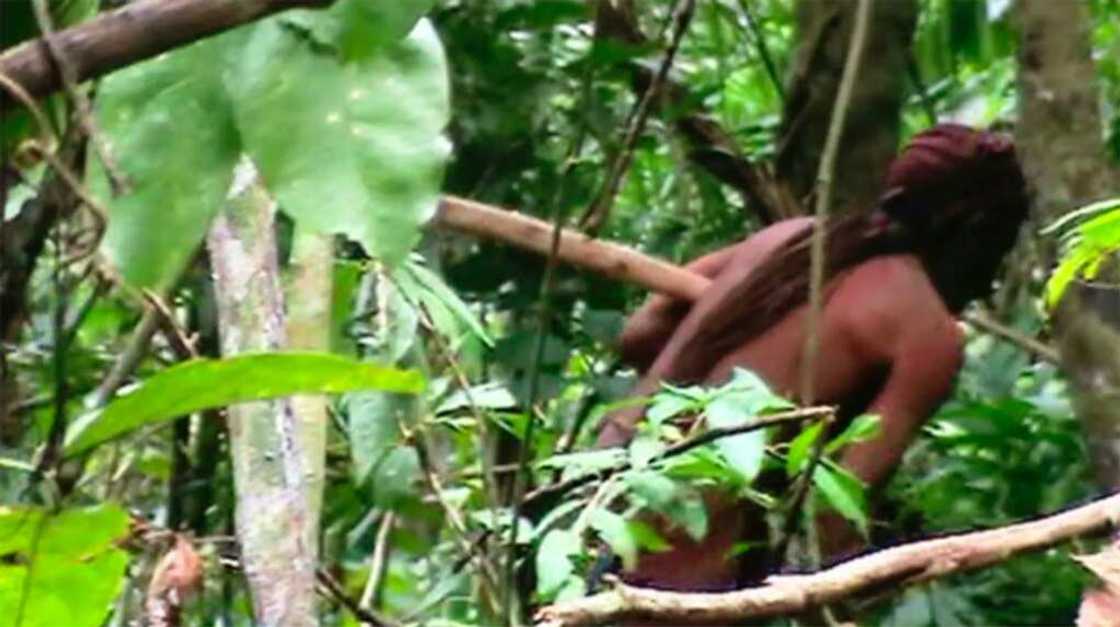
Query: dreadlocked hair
(955, 197)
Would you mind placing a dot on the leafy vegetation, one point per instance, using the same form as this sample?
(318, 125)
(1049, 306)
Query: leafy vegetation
(451, 356)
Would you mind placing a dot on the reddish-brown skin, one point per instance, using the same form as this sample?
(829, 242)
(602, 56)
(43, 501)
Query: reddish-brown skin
(880, 316)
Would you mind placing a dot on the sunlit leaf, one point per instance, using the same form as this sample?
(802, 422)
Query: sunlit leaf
(862, 428)
(800, 446)
(352, 148)
(205, 383)
(61, 568)
(843, 491)
(171, 129)
(554, 562)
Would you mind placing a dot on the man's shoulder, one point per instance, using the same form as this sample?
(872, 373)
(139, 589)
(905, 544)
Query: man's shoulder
(888, 297)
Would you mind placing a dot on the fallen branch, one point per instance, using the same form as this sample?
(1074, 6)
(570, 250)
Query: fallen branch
(783, 595)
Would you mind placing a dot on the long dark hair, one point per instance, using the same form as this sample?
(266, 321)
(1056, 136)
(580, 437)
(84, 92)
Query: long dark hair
(955, 197)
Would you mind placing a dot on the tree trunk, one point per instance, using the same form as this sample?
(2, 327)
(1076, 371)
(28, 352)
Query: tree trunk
(871, 131)
(1060, 145)
(271, 463)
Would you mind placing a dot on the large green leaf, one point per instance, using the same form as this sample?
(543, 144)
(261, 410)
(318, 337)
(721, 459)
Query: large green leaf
(206, 383)
(353, 148)
(171, 130)
(360, 28)
(61, 569)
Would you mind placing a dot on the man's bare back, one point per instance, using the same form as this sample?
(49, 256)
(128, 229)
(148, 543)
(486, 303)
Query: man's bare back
(882, 321)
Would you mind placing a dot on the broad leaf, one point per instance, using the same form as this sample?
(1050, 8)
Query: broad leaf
(374, 420)
(61, 569)
(745, 451)
(862, 428)
(843, 491)
(614, 531)
(680, 504)
(171, 129)
(554, 562)
(353, 148)
(800, 446)
(206, 383)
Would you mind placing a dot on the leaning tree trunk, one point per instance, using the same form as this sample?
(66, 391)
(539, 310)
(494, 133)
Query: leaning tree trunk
(1062, 150)
(871, 132)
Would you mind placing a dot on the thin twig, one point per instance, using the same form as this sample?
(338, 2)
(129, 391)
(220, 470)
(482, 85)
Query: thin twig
(46, 134)
(489, 477)
(763, 50)
(1031, 345)
(335, 591)
(521, 476)
(83, 110)
(596, 214)
(377, 563)
(915, 74)
(825, 172)
(454, 516)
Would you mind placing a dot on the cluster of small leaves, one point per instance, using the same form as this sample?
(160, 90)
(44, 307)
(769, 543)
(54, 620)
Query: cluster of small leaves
(1089, 236)
(630, 511)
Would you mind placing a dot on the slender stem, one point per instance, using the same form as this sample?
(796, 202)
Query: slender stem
(797, 415)
(759, 39)
(816, 269)
(597, 213)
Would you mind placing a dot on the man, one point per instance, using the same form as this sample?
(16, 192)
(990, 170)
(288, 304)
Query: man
(889, 344)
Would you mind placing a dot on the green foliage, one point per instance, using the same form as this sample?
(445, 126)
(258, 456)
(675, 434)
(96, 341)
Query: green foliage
(1088, 236)
(61, 568)
(179, 165)
(984, 462)
(204, 383)
(353, 147)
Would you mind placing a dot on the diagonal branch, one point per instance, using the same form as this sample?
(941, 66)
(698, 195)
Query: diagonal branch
(784, 595)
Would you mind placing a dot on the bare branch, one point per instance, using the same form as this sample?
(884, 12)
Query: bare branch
(131, 33)
(605, 258)
(783, 595)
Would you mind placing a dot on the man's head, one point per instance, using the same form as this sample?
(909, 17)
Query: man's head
(962, 197)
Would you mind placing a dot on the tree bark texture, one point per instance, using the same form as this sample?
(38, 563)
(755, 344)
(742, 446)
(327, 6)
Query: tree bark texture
(136, 31)
(271, 466)
(1061, 147)
(871, 132)
(309, 328)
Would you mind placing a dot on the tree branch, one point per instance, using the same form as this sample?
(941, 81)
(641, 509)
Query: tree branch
(606, 258)
(782, 595)
(131, 33)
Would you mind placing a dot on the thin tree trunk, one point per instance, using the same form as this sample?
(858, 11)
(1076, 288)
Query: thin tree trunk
(309, 328)
(1062, 150)
(267, 442)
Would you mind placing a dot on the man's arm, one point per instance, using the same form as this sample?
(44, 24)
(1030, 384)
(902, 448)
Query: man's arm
(650, 326)
(924, 348)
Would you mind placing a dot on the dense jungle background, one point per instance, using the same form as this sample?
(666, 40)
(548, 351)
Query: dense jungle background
(233, 341)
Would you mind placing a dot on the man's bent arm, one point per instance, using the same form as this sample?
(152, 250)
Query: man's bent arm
(650, 326)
